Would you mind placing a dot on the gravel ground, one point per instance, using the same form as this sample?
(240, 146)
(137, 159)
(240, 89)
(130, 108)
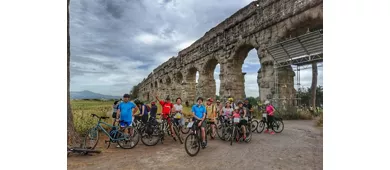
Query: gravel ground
(298, 147)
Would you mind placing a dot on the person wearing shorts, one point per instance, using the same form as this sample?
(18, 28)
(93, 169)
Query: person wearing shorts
(178, 111)
(199, 114)
(211, 113)
(243, 113)
(166, 111)
(125, 112)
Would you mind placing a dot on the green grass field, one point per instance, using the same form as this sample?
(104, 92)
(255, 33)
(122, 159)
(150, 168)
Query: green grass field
(82, 110)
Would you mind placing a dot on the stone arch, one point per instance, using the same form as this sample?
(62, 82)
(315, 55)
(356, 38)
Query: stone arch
(190, 84)
(207, 83)
(168, 81)
(155, 84)
(179, 78)
(292, 27)
(235, 77)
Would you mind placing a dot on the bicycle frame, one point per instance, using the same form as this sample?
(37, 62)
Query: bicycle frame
(99, 126)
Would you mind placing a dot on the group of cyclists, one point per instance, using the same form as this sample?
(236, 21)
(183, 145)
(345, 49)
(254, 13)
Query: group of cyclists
(124, 111)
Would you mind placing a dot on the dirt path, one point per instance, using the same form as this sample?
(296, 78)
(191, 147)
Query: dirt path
(299, 146)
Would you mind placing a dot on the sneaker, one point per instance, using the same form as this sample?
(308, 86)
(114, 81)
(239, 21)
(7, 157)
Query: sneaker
(272, 133)
(266, 131)
(117, 146)
(244, 138)
(174, 138)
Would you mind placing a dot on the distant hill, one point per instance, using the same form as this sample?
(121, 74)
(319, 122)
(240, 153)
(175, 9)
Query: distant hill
(90, 95)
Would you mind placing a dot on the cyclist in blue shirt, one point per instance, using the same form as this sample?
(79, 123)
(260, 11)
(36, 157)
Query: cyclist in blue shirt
(125, 111)
(199, 113)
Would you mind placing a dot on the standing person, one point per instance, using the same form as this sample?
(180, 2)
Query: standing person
(143, 112)
(232, 104)
(125, 113)
(270, 117)
(114, 110)
(178, 111)
(211, 112)
(153, 110)
(248, 106)
(166, 111)
(199, 114)
(243, 113)
(219, 108)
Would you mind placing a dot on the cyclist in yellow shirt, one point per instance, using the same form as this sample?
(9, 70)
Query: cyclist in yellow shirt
(211, 113)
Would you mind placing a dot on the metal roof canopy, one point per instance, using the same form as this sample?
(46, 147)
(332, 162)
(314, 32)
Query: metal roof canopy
(300, 50)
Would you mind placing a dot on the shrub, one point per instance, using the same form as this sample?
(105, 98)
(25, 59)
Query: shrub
(319, 121)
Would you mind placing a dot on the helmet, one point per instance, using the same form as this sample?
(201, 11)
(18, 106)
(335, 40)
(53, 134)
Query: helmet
(266, 102)
(236, 108)
(239, 102)
(200, 98)
(126, 96)
(230, 99)
(218, 101)
(227, 102)
(153, 103)
(246, 99)
(167, 98)
(136, 101)
(210, 99)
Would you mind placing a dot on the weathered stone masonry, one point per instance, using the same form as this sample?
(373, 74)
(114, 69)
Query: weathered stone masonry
(228, 44)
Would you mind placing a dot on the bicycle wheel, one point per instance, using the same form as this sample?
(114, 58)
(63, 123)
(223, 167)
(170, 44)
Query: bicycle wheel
(233, 135)
(150, 139)
(127, 141)
(260, 126)
(91, 139)
(254, 125)
(184, 129)
(248, 134)
(220, 131)
(177, 134)
(192, 144)
(278, 126)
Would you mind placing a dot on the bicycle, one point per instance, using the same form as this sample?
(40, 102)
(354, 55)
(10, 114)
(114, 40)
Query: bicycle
(176, 128)
(253, 123)
(277, 124)
(194, 139)
(116, 135)
(222, 128)
(237, 131)
(165, 128)
(149, 130)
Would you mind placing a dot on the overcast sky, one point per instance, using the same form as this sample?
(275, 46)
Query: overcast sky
(117, 43)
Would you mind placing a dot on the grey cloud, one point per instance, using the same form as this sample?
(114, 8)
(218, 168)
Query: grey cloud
(115, 44)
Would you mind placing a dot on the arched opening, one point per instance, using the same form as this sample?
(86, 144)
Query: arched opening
(179, 78)
(293, 79)
(151, 85)
(155, 84)
(245, 73)
(168, 81)
(210, 79)
(250, 70)
(191, 89)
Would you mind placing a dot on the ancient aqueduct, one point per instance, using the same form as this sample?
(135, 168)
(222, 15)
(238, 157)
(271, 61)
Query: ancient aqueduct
(257, 25)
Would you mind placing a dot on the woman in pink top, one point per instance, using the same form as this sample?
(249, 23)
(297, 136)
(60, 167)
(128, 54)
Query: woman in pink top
(270, 117)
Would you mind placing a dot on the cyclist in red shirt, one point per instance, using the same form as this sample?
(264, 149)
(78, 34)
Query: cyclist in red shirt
(166, 110)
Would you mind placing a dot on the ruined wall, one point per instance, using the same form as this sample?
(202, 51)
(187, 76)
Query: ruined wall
(228, 44)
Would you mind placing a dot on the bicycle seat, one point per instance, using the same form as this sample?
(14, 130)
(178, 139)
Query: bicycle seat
(104, 117)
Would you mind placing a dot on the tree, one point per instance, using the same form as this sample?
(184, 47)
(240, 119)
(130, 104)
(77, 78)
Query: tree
(314, 84)
(134, 92)
(73, 137)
